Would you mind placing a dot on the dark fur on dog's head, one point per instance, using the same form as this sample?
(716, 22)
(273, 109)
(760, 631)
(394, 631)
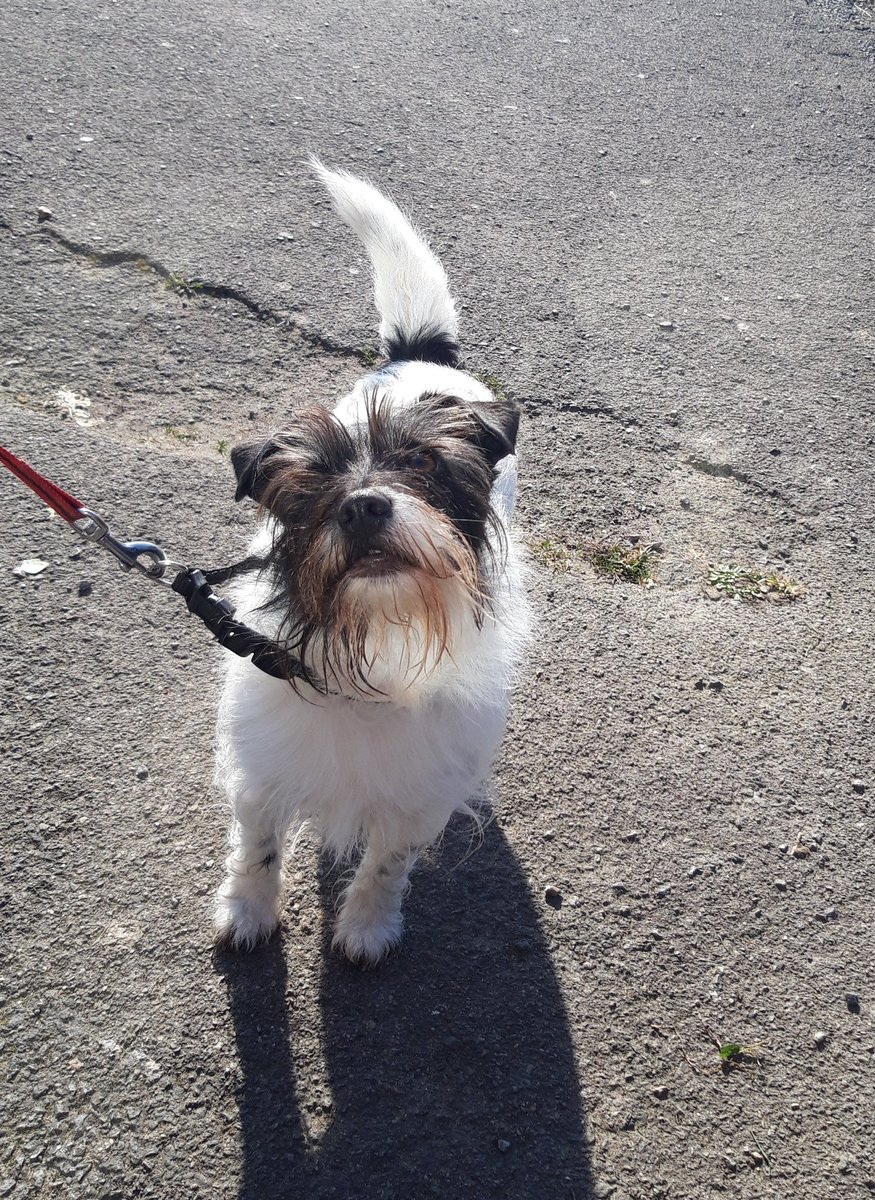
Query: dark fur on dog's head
(381, 524)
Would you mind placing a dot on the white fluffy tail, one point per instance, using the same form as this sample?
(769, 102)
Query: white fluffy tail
(417, 313)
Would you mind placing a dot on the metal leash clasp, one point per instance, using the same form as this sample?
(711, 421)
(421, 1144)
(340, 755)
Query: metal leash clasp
(131, 555)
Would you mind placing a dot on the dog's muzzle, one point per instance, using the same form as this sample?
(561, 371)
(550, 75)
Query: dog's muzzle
(364, 518)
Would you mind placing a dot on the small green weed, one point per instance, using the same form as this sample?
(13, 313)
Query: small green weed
(631, 564)
(493, 383)
(181, 285)
(369, 356)
(181, 435)
(553, 554)
(737, 582)
(222, 445)
(736, 1054)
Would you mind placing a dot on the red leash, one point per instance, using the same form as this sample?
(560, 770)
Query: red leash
(142, 556)
(193, 585)
(56, 498)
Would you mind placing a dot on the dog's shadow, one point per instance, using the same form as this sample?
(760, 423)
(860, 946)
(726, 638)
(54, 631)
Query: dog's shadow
(450, 1067)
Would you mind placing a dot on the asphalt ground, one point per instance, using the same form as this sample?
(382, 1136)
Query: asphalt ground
(658, 220)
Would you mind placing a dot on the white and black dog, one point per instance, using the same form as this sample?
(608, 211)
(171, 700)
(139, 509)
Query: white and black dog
(392, 575)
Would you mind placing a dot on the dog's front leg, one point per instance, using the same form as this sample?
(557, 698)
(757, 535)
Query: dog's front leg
(247, 908)
(369, 918)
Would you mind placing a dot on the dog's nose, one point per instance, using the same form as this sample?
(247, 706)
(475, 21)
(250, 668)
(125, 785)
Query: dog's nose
(364, 512)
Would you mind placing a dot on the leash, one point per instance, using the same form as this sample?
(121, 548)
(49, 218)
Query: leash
(192, 584)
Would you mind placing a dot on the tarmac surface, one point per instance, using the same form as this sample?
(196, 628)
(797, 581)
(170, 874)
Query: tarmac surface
(658, 219)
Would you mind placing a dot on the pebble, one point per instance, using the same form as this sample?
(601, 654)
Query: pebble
(715, 685)
(522, 947)
(831, 914)
(781, 885)
(859, 786)
(820, 1039)
(853, 1002)
(686, 502)
(660, 1092)
(142, 773)
(553, 897)
(667, 325)
(694, 871)
(86, 587)
(503, 1145)
(625, 306)
(44, 214)
(602, 1190)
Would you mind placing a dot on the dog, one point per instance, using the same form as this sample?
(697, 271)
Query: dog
(391, 573)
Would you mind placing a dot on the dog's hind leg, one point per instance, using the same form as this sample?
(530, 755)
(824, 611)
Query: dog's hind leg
(369, 918)
(247, 906)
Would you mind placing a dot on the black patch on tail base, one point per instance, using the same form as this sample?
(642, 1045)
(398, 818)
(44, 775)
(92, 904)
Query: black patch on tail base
(426, 344)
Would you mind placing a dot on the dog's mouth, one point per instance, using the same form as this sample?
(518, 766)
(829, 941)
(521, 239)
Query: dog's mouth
(375, 563)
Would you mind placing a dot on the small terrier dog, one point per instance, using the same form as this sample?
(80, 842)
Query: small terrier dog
(391, 574)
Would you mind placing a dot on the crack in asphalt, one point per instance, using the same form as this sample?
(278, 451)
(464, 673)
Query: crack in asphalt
(193, 287)
(703, 465)
(597, 410)
(725, 471)
(196, 286)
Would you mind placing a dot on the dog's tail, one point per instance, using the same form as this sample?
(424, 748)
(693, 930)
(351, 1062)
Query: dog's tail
(417, 313)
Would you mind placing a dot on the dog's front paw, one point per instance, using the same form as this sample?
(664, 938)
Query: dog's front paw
(366, 936)
(242, 923)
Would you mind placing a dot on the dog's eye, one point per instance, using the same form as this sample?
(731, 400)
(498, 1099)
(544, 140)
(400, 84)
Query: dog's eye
(422, 460)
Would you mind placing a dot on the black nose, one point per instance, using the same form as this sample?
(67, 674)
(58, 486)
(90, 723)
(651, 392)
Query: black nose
(364, 512)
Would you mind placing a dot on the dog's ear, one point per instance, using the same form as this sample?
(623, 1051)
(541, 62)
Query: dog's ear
(248, 463)
(494, 427)
(498, 423)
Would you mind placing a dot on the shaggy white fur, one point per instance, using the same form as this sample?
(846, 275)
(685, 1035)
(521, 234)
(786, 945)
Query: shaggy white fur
(379, 777)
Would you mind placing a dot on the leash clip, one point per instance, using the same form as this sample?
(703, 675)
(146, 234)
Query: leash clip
(130, 555)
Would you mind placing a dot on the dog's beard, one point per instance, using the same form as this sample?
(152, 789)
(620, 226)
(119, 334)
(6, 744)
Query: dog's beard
(381, 622)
